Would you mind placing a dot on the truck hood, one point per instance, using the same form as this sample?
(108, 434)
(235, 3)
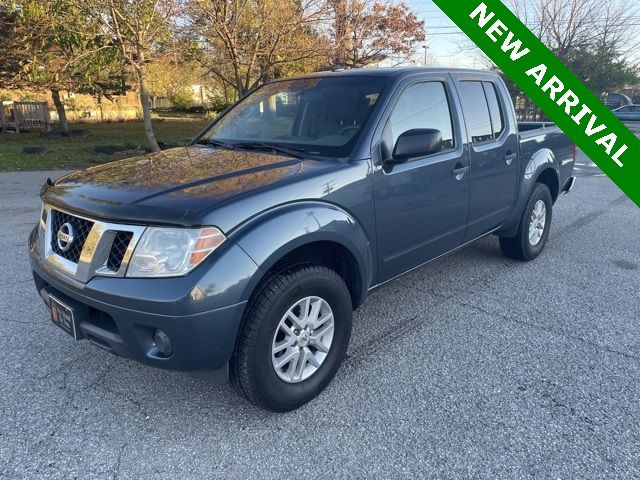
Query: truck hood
(173, 186)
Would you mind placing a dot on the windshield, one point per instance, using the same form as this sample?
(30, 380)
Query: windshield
(316, 116)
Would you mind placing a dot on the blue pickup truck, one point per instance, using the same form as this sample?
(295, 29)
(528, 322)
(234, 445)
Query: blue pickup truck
(242, 256)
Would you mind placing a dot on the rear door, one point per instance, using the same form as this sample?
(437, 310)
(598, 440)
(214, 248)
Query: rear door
(493, 139)
(421, 206)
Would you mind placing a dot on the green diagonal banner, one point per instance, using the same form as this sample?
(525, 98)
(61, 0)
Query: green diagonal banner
(552, 86)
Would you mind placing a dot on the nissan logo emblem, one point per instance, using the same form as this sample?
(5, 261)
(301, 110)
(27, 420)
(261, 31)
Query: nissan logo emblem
(65, 236)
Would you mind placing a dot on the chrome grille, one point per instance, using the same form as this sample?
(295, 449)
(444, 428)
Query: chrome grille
(81, 229)
(98, 248)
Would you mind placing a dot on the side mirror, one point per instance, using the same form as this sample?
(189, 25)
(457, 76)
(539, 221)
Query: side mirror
(418, 142)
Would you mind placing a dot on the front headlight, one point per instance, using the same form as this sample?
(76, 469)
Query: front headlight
(171, 252)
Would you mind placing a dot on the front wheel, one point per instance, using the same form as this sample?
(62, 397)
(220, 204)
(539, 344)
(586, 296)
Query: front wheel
(534, 226)
(294, 337)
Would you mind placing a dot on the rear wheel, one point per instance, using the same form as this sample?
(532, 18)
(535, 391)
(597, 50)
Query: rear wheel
(534, 226)
(294, 337)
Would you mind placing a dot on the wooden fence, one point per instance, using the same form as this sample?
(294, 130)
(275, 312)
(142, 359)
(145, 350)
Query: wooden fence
(24, 116)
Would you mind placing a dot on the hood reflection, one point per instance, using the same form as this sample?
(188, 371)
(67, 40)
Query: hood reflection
(189, 178)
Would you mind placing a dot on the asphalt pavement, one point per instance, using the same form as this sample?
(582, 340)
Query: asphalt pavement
(475, 366)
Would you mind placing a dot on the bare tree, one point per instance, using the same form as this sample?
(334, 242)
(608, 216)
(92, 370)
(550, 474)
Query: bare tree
(141, 30)
(569, 25)
(596, 39)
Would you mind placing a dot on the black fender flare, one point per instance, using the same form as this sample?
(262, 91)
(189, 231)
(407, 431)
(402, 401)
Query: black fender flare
(273, 234)
(541, 161)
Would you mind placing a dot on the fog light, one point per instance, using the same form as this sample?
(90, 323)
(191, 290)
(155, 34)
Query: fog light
(163, 343)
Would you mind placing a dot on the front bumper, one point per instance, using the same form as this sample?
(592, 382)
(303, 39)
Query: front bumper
(125, 323)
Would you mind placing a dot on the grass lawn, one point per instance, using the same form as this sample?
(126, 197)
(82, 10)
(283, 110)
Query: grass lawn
(104, 143)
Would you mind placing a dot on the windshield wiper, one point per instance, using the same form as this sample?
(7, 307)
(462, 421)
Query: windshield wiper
(215, 143)
(297, 153)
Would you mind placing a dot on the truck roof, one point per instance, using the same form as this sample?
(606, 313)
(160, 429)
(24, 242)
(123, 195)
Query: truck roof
(390, 72)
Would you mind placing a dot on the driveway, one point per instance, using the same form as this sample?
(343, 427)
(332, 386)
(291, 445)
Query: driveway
(474, 366)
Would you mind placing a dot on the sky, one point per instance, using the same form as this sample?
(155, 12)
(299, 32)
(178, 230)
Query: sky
(442, 38)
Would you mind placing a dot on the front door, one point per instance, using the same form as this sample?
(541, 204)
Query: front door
(421, 205)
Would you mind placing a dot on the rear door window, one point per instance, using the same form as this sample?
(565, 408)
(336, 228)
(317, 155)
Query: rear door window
(495, 110)
(476, 110)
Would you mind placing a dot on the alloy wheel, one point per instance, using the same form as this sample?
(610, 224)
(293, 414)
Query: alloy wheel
(302, 339)
(537, 223)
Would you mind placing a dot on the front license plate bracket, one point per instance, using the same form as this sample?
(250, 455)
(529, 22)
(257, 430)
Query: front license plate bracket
(63, 316)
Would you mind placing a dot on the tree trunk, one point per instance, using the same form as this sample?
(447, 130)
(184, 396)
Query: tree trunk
(340, 25)
(99, 100)
(62, 114)
(146, 111)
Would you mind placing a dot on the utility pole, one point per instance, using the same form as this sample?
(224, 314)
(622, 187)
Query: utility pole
(425, 47)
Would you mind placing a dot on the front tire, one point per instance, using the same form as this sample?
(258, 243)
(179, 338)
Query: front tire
(293, 339)
(534, 227)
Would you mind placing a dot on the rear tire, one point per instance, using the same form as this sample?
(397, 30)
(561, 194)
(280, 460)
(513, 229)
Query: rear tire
(533, 229)
(292, 312)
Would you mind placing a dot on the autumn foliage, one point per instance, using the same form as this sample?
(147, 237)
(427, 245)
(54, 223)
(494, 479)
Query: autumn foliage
(163, 46)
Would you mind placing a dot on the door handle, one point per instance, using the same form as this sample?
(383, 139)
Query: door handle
(459, 172)
(509, 157)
